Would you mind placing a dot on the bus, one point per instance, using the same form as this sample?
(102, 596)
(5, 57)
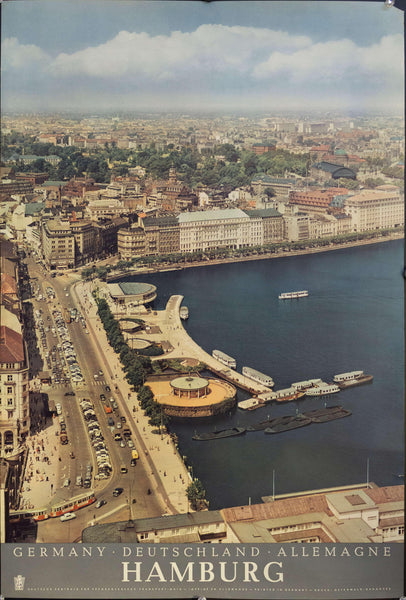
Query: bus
(55, 509)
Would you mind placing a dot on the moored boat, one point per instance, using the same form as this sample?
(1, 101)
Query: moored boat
(294, 423)
(286, 395)
(184, 313)
(216, 435)
(352, 378)
(330, 413)
(250, 404)
(228, 361)
(258, 376)
(322, 389)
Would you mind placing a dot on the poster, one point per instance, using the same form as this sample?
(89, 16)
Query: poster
(129, 111)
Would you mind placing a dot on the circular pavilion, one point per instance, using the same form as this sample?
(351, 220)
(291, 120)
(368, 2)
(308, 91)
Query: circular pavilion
(190, 387)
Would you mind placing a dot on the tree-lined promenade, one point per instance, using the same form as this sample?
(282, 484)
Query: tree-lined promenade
(219, 255)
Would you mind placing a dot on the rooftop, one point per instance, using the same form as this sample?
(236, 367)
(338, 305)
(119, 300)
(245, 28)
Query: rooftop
(212, 215)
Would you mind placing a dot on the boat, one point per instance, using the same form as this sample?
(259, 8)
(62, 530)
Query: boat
(217, 435)
(269, 423)
(303, 385)
(330, 413)
(258, 376)
(293, 295)
(228, 361)
(345, 380)
(293, 423)
(286, 395)
(251, 404)
(322, 389)
(184, 313)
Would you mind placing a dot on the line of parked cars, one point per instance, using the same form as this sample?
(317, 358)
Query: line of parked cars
(96, 439)
(67, 347)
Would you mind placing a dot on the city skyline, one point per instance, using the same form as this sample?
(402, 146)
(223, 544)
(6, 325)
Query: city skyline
(193, 56)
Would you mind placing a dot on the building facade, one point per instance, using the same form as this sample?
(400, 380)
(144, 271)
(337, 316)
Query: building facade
(376, 209)
(58, 244)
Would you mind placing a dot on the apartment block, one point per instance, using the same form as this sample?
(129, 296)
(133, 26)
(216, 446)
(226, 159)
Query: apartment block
(376, 209)
(58, 244)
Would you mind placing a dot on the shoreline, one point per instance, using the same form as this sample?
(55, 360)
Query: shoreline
(267, 256)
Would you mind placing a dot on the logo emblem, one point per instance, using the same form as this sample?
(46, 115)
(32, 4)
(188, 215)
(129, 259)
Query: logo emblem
(19, 583)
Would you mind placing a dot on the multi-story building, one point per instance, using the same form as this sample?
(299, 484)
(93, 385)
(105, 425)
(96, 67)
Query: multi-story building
(376, 209)
(9, 187)
(273, 226)
(165, 230)
(106, 232)
(280, 186)
(228, 228)
(297, 227)
(131, 242)
(58, 244)
(85, 240)
(315, 201)
(14, 389)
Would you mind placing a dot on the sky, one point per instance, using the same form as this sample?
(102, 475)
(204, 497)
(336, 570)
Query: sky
(190, 55)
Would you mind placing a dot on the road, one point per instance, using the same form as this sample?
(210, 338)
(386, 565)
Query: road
(135, 482)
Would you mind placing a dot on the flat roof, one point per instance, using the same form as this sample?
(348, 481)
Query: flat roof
(212, 215)
(133, 288)
(189, 383)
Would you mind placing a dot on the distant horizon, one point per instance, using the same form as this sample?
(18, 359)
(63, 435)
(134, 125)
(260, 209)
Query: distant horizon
(224, 56)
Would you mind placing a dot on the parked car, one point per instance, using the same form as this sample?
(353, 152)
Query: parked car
(117, 491)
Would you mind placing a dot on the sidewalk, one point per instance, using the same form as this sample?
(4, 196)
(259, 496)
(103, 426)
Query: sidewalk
(168, 473)
(43, 468)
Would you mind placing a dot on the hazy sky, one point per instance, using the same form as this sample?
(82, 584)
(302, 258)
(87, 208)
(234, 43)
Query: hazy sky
(190, 55)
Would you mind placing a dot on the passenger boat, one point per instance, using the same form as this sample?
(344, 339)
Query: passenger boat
(258, 376)
(303, 385)
(226, 360)
(322, 389)
(293, 423)
(293, 295)
(330, 413)
(286, 395)
(251, 404)
(217, 435)
(184, 313)
(352, 378)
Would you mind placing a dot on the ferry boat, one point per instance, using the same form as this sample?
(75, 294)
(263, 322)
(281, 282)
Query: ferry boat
(303, 385)
(351, 378)
(216, 435)
(322, 389)
(184, 313)
(250, 404)
(226, 360)
(286, 395)
(258, 376)
(293, 295)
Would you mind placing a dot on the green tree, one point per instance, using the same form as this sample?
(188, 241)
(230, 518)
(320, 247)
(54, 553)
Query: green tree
(196, 495)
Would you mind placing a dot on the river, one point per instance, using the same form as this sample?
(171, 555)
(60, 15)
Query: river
(351, 320)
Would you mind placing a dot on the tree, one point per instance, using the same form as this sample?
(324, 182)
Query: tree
(196, 495)
(270, 192)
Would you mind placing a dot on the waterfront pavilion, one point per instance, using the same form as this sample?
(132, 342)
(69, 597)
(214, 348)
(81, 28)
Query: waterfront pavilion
(190, 387)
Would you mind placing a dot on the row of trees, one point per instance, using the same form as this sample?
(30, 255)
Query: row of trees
(136, 367)
(179, 258)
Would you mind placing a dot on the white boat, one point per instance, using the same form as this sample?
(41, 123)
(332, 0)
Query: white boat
(251, 404)
(292, 295)
(228, 361)
(302, 385)
(322, 389)
(258, 376)
(184, 313)
(347, 376)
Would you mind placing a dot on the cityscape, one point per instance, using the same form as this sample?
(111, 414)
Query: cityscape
(100, 192)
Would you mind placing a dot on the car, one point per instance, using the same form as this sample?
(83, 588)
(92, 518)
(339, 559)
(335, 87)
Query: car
(122, 444)
(119, 425)
(102, 397)
(117, 491)
(66, 483)
(69, 393)
(101, 503)
(123, 419)
(130, 444)
(68, 516)
(133, 462)
(100, 373)
(107, 388)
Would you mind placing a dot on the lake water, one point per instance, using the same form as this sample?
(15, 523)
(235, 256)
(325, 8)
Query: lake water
(352, 320)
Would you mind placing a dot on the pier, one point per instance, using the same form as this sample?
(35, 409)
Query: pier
(166, 326)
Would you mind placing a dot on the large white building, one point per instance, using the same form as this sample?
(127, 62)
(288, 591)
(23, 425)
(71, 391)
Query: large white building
(228, 228)
(376, 209)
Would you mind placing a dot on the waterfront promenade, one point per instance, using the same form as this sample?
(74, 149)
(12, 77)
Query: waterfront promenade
(167, 472)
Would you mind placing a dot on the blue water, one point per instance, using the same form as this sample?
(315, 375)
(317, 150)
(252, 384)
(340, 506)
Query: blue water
(352, 319)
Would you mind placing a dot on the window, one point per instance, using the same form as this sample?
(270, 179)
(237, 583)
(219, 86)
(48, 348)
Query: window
(9, 378)
(9, 390)
(9, 402)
